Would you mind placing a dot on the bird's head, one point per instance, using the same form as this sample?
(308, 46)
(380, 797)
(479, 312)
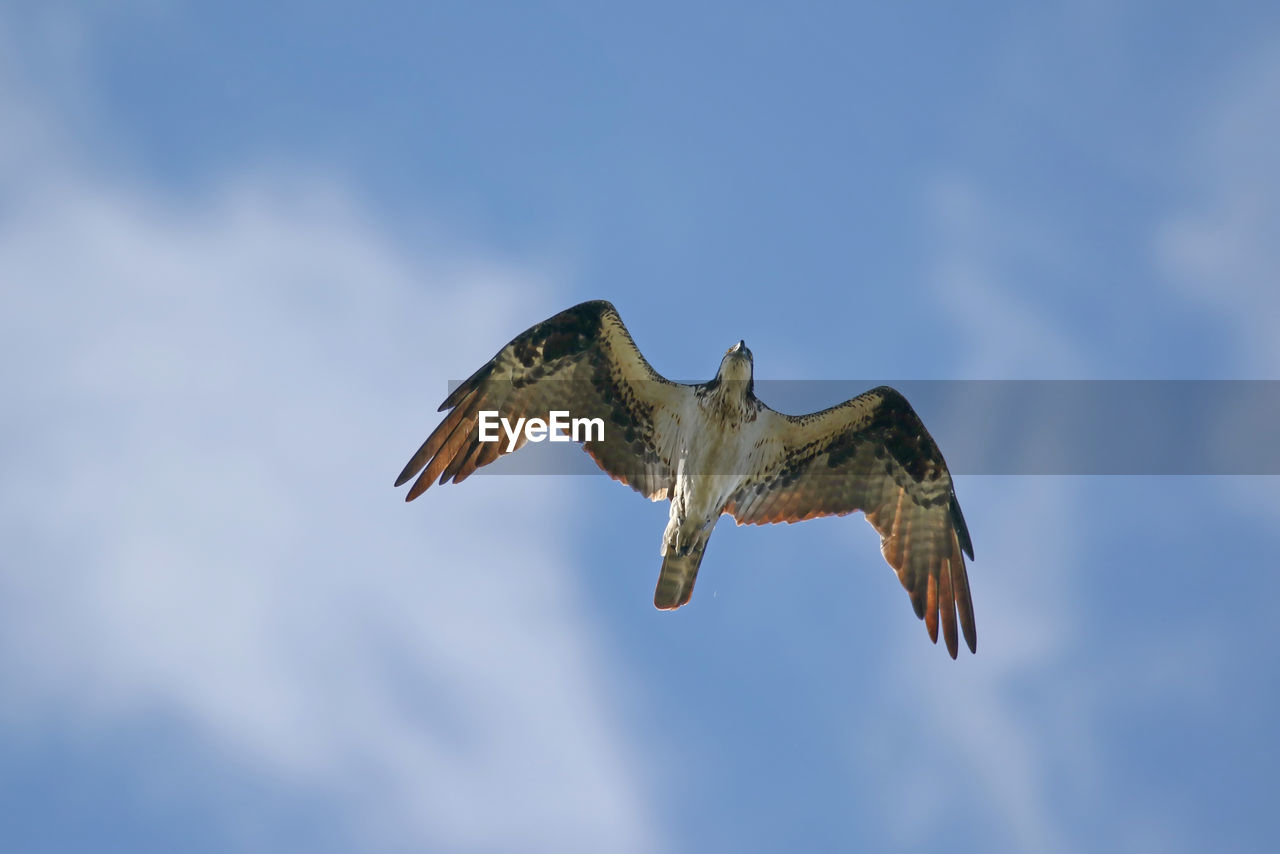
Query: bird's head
(737, 365)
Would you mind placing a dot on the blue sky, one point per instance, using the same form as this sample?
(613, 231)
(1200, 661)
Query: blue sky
(242, 252)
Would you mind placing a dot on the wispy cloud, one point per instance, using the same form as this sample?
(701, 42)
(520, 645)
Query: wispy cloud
(974, 755)
(1220, 249)
(984, 258)
(206, 401)
(1025, 740)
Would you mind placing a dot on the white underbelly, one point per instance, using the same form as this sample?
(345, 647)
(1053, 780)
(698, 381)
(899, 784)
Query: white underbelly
(712, 463)
(710, 472)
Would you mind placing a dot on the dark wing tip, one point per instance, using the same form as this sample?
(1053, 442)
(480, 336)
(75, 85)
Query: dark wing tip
(410, 469)
(421, 485)
(470, 384)
(941, 598)
(962, 530)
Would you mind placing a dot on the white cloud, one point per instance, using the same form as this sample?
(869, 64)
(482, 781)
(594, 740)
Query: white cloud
(969, 744)
(1221, 249)
(984, 258)
(979, 739)
(1012, 741)
(207, 401)
(1022, 737)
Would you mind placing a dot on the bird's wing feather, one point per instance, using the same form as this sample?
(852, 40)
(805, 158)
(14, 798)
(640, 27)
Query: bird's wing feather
(873, 454)
(583, 361)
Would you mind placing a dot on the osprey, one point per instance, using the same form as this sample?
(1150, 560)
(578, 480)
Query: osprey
(715, 448)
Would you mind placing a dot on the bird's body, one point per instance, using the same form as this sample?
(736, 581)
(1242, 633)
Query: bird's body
(720, 438)
(715, 448)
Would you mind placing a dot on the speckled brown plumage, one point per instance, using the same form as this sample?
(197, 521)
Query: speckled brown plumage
(582, 360)
(873, 454)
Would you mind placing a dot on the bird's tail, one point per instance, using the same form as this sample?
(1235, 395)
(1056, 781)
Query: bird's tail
(679, 571)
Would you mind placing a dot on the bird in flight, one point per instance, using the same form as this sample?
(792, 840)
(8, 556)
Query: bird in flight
(714, 448)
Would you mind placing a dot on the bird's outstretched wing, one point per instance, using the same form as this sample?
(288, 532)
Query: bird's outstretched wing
(582, 361)
(873, 454)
